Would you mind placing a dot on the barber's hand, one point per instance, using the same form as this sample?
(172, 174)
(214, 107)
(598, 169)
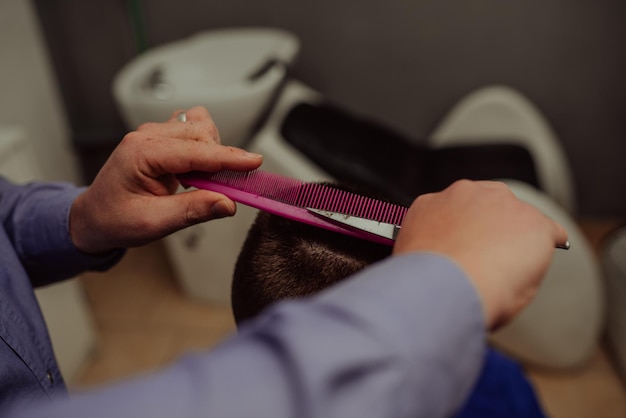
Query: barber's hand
(132, 200)
(503, 244)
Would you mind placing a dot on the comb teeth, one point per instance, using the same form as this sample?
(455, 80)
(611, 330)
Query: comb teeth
(308, 195)
(319, 196)
(269, 185)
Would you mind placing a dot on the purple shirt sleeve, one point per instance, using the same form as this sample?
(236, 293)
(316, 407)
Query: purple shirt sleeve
(404, 338)
(35, 217)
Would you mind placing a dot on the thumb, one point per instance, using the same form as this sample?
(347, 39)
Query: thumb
(189, 208)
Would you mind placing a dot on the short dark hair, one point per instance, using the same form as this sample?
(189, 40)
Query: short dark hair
(283, 259)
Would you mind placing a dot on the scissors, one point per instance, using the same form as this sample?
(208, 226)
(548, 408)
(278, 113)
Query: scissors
(381, 229)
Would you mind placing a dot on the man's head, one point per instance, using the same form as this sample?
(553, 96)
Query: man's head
(283, 259)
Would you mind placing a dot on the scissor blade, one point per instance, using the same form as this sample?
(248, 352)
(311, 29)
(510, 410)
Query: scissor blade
(382, 229)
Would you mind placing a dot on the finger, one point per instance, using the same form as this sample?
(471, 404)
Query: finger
(199, 113)
(561, 236)
(178, 211)
(199, 130)
(196, 114)
(202, 115)
(492, 184)
(166, 157)
(175, 115)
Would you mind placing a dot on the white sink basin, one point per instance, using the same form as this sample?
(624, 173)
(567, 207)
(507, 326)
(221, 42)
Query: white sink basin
(232, 72)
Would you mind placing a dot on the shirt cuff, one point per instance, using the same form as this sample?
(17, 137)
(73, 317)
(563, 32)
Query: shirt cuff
(46, 248)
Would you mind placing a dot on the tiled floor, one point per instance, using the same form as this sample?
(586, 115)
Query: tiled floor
(144, 322)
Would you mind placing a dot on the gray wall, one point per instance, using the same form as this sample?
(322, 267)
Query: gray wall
(404, 62)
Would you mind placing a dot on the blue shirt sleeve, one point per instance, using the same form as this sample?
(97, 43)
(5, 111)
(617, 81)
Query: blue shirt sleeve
(403, 338)
(35, 218)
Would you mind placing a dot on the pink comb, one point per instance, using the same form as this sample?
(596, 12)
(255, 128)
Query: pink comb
(290, 198)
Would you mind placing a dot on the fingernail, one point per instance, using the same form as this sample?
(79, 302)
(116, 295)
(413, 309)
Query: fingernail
(222, 209)
(252, 155)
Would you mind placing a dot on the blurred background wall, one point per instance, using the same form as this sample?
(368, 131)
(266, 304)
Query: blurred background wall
(30, 99)
(402, 62)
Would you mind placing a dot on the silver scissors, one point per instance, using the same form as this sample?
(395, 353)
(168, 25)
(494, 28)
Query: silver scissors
(381, 229)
